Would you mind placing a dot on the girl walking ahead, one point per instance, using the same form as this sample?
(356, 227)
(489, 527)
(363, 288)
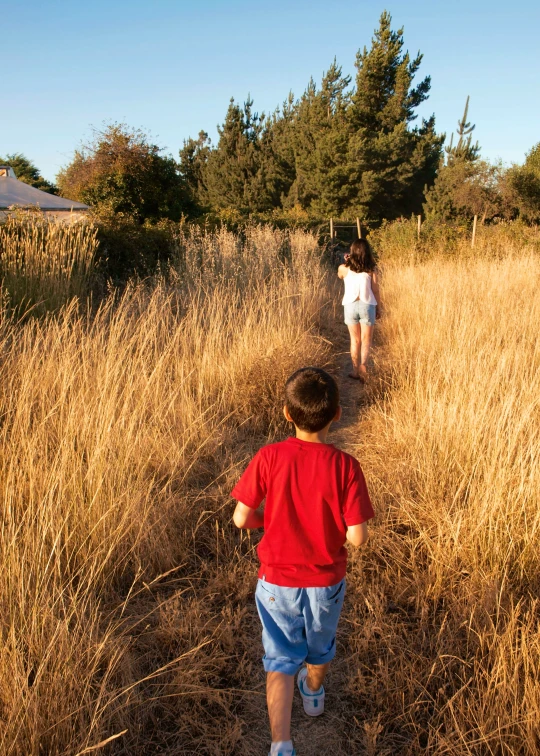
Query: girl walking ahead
(359, 274)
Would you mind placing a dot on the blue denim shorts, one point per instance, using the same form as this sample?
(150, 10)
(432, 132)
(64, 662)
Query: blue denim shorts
(299, 624)
(359, 312)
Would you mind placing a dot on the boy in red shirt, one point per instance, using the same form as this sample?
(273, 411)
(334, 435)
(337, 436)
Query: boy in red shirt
(316, 499)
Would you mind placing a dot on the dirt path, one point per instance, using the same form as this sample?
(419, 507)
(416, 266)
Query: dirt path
(331, 733)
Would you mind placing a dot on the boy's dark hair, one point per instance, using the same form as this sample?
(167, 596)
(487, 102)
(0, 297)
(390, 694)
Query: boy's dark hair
(312, 398)
(361, 259)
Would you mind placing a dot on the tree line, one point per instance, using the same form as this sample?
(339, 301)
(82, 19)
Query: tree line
(344, 149)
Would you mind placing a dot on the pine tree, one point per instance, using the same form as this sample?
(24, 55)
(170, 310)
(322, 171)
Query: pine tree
(278, 156)
(388, 161)
(320, 138)
(192, 166)
(234, 173)
(464, 184)
(464, 149)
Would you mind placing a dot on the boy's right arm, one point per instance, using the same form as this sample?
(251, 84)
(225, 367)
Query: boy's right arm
(357, 534)
(247, 517)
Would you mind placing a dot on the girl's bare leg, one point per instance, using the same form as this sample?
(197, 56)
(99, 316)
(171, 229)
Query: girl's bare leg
(366, 340)
(356, 342)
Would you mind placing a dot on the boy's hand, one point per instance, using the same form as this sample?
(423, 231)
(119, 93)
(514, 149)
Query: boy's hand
(248, 518)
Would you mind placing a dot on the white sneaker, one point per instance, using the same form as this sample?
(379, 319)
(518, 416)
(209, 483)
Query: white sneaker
(282, 752)
(313, 702)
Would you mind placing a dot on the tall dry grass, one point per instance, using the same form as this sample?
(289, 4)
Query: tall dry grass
(444, 625)
(398, 241)
(121, 433)
(128, 625)
(43, 263)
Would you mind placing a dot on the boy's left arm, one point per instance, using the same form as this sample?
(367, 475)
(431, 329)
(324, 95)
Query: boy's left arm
(247, 517)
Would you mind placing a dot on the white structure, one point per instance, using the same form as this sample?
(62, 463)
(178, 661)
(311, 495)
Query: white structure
(16, 195)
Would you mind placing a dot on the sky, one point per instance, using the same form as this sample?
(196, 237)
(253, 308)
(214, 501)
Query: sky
(170, 67)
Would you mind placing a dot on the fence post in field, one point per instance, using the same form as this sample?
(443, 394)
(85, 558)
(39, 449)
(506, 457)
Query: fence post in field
(474, 230)
(331, 228)
(359, 228)
(419, 225)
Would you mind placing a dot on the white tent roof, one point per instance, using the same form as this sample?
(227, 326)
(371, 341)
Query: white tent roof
(15, 192)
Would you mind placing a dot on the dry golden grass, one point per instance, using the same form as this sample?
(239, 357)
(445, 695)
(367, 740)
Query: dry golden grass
(445, 620)
(128, 623)
(44, 264)
(120, 434)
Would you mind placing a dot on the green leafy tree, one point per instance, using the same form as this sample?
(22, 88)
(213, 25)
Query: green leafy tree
(122, 171)
(522, 186)
(465, 188)
(26, 171)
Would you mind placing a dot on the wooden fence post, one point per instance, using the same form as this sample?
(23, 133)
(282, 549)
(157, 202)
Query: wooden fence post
(419, 225)
(331, 228)
(359, 228)
(474, 230)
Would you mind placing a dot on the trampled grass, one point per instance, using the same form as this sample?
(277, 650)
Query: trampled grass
(127, 611)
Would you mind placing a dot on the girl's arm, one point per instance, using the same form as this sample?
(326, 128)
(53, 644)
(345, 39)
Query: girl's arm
(342, 271)
(376, 290)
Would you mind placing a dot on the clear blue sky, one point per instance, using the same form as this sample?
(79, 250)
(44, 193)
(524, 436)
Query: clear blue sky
(170, 66)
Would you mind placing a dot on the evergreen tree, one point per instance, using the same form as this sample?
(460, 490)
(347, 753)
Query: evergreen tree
(26, 171)
(192, 166)
(277, 151)
(332, 152)
(464, 149)
(389, 162)
(234, 173)
(465, 186)
(320, 138)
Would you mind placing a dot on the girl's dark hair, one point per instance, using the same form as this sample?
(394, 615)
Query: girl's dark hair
(361, 259)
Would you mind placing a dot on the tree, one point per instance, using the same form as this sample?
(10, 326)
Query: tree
(332, 152)
(234, 174)
(319, 138)
(193, 159)
(465, 185)
(465, 188)
(464, 149)
(522, 184)
(388, 161)
(122, 171)
(27, 172)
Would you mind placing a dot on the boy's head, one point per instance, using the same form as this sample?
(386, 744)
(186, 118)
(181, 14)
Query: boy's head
(311, 399)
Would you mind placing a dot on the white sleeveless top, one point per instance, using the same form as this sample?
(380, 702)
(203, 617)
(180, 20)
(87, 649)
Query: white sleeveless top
(358, 286)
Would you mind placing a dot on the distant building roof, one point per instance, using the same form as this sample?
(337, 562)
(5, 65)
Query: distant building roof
(15, 192)
(7, 170)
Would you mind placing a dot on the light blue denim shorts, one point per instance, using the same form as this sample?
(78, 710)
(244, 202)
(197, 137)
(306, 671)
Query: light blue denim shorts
(299, 624)
(359, 312)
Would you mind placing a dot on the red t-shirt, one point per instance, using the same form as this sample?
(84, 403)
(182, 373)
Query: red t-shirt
(314, 492)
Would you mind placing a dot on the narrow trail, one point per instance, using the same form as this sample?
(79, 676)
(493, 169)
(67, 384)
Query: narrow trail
(331, 733)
